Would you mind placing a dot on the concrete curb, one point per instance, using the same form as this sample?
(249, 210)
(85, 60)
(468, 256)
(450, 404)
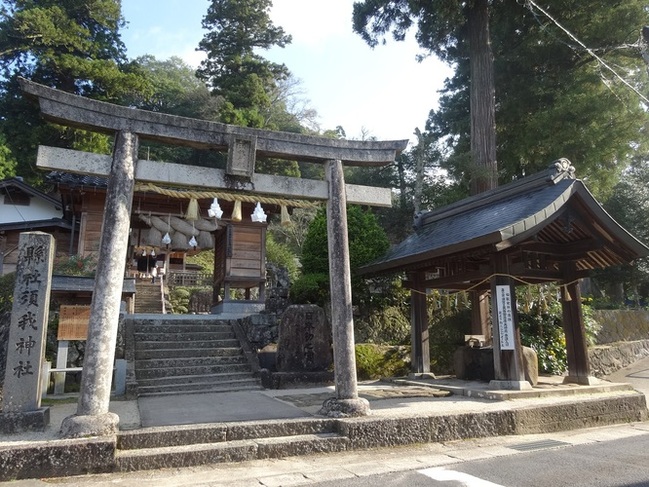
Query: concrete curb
(181, 446)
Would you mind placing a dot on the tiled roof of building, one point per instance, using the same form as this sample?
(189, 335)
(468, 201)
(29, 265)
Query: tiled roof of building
(498, 218)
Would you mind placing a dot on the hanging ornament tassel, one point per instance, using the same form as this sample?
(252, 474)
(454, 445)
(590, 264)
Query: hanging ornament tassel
(286, 218)
(236, 212)
(192, 210)
(566, 294)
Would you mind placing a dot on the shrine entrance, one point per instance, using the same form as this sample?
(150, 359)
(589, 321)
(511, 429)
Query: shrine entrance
(243, 146)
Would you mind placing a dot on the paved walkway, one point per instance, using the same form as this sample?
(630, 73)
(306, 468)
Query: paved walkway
(636, 374)
(387, 399)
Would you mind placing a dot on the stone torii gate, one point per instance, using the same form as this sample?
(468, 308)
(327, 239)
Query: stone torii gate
(243, 145)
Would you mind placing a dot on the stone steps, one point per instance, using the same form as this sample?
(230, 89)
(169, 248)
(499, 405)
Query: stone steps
(194, 379)
(244, 384)
(178, 352)
(148, 298)
(180, 326)
(185, 356)
(180, 336)
(183, 362)
(144, 345)
(191, 445)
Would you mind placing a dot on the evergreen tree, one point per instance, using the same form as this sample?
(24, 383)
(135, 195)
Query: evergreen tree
(444, 28)
(73, 46)
(555, 99)
(233, 69)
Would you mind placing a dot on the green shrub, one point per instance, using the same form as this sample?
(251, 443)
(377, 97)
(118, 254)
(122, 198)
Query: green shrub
(7, 282)
(282, 256)
(75, 265)
(310, 289)
(378, 361)
(179, 299)
(388, 325)
(540, 321)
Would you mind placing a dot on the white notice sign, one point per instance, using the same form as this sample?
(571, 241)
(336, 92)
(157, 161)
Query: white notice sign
(505, 317)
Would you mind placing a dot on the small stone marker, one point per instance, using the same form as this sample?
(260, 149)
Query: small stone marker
(22, 384)
(304, 343)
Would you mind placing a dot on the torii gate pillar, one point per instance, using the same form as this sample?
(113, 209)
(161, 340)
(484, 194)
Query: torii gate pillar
(92, 417)
(346, 403)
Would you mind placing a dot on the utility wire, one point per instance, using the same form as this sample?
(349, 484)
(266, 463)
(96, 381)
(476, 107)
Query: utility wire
(531, 3)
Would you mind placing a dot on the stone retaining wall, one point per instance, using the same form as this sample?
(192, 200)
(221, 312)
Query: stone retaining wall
(606, 359)
(622, 325)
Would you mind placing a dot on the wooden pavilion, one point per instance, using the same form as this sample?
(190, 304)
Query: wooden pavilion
(546, 227)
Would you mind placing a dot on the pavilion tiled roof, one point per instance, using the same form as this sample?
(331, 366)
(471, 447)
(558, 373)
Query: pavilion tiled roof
(501, 218)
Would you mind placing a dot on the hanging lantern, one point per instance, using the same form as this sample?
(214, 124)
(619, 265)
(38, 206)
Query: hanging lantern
(236, 212)
(258, 215)
(215, 210)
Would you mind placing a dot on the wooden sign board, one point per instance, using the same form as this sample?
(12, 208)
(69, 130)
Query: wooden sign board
(73, 322)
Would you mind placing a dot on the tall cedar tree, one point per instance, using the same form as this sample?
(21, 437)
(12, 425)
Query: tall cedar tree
(233, 70)
(443, 25)
(553, 98)
(72, 45)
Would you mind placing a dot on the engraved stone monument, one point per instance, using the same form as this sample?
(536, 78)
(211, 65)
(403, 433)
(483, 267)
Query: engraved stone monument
(21, 405)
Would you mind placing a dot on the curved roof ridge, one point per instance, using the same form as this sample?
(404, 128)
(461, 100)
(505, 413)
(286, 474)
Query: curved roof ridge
(557, 171)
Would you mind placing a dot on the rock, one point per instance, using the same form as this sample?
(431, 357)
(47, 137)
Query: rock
(304, 340)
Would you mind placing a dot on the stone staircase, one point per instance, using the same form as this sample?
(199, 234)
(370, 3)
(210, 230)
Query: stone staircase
(186, 446)
(148, 297)
(188, 356)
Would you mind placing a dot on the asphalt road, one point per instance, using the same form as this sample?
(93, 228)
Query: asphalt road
(617, 463)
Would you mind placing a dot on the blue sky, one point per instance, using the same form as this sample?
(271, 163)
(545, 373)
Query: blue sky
(384, 92)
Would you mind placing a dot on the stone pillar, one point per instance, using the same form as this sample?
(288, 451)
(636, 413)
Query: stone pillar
(92, 417)
(508, 352)
(573, 327)
(21, 408)
(420, 355)
(346, 403)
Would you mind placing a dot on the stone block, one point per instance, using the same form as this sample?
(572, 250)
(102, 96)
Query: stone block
(372, 432)
(171, 436)
(11, 423)
(581, 414)
(304, 340)
(277, 428)
(473, 425)
(57, 459)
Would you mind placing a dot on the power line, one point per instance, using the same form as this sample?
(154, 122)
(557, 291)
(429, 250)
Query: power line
(531, 3)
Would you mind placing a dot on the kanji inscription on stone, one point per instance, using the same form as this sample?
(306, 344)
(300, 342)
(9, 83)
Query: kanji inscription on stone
(22, 391)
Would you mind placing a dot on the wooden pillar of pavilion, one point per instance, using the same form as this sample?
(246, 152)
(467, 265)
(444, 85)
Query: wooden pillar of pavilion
(508, 352)
(420, 354)
(574, 329)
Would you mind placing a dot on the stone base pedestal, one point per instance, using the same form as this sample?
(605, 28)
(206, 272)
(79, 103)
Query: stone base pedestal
(510, 385)
(238, 307)
(345, 408)
(582, 380)
(11, 423)
(421, 375)
(83, 426)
